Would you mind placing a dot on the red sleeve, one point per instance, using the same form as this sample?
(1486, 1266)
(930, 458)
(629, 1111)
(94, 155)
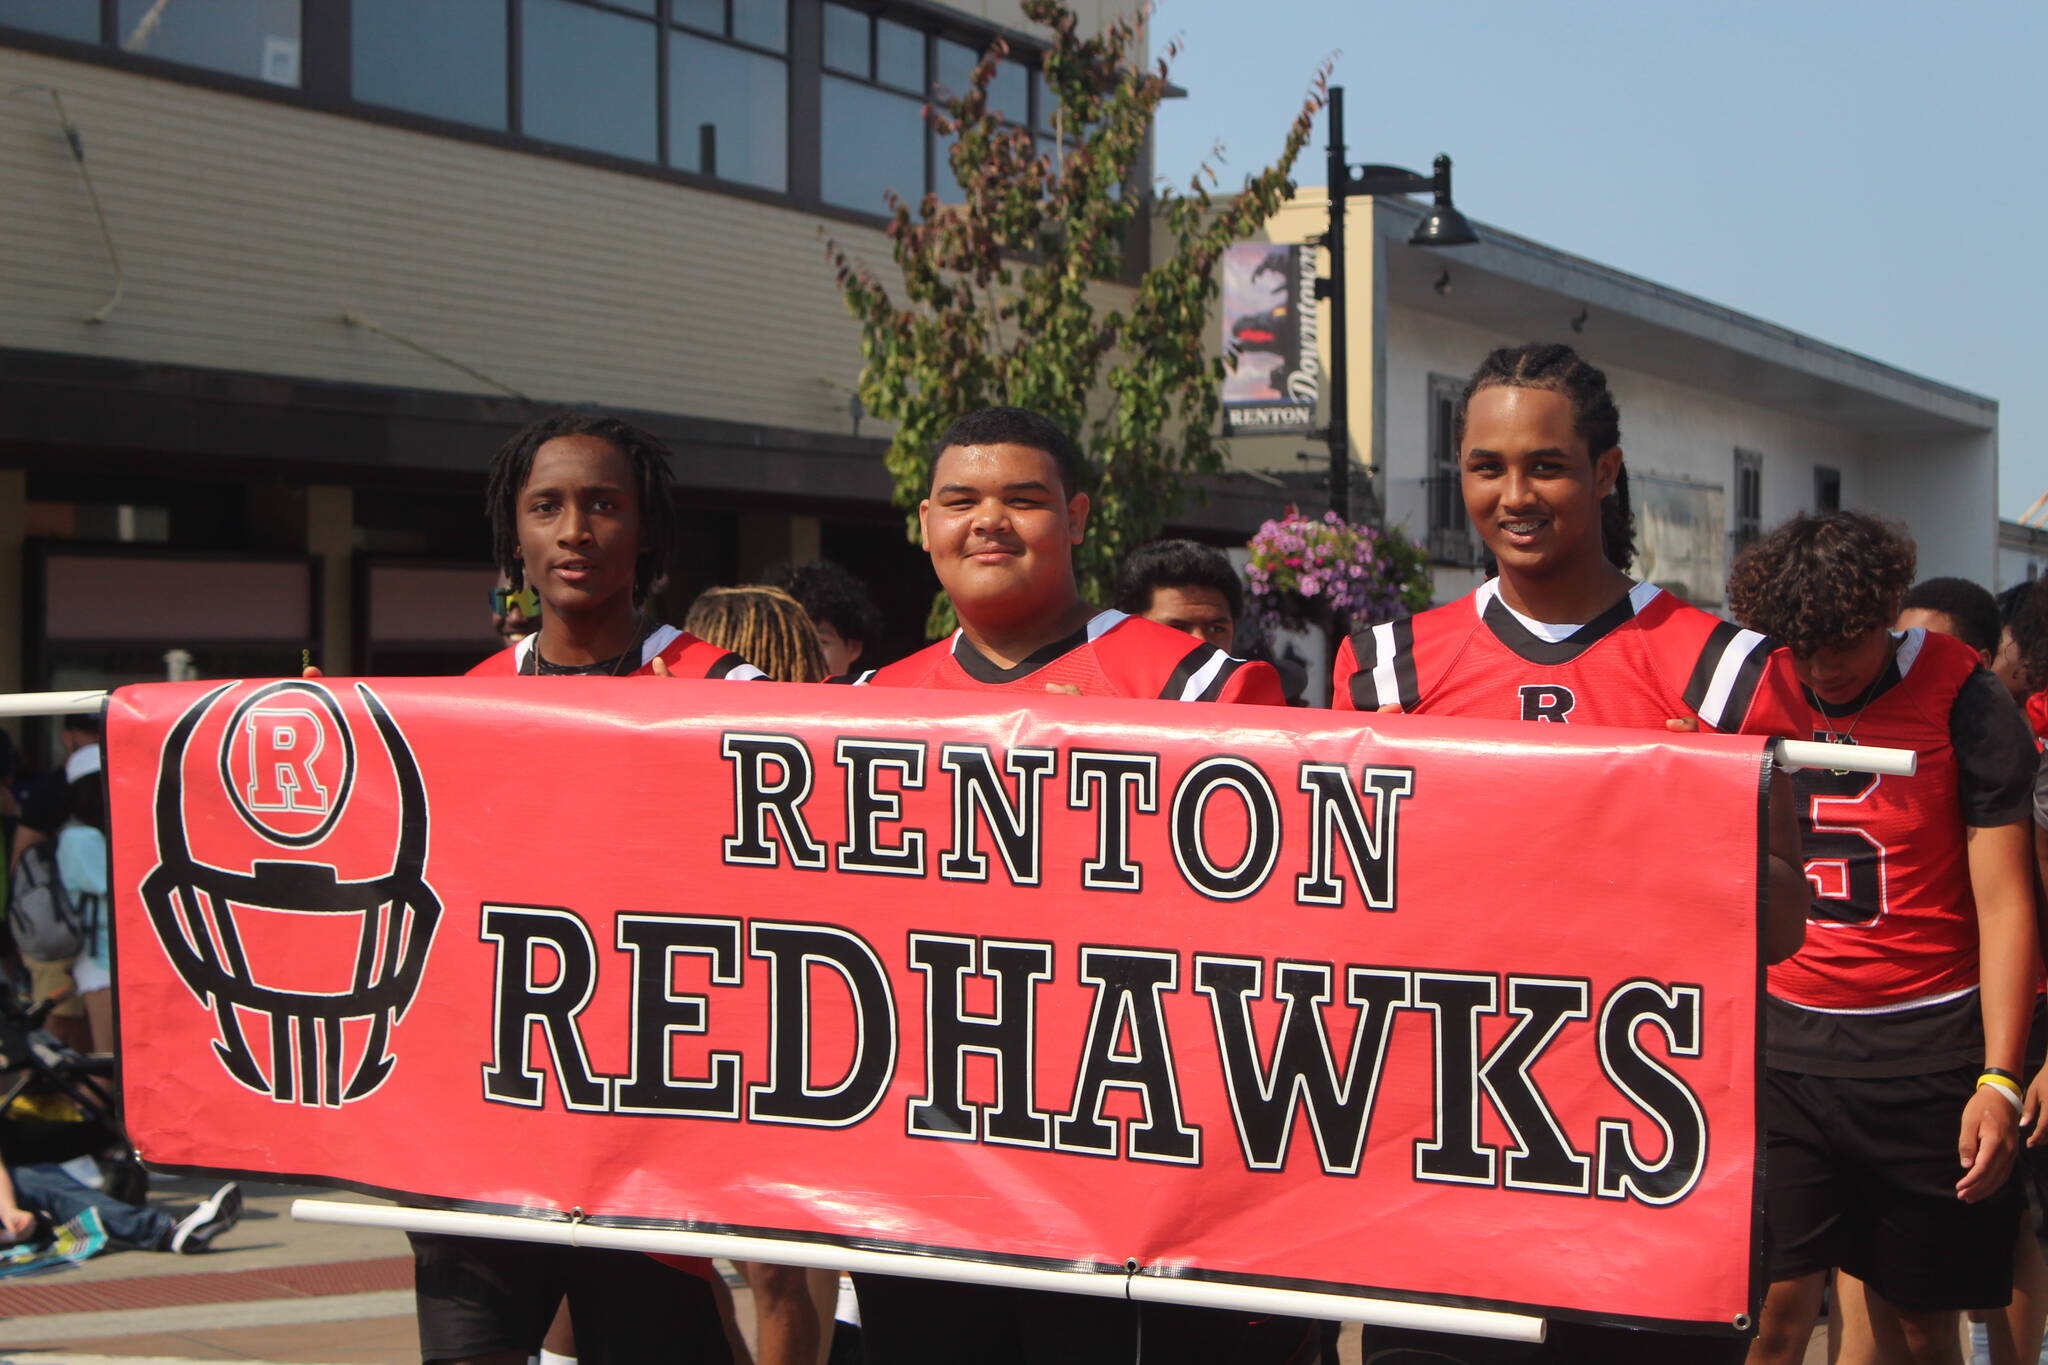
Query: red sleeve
(496, 665)
(1778, 707)
(1340, 677)
(1255, 684)
(2037, 714)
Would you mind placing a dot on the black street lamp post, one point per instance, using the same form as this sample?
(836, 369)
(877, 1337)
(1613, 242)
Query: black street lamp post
(1442, 226)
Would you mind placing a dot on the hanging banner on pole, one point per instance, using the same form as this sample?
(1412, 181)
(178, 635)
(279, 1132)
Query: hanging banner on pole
(1249, 996)
(1269, 327)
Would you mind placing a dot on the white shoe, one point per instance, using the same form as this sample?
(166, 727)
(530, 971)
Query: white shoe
(196, 1231)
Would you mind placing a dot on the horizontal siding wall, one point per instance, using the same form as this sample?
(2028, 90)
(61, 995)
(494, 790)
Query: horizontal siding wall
(248, 228)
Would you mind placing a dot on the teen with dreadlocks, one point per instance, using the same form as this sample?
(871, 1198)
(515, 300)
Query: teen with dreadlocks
(579, 507)
(1563, 635)
(1907, 1007)
(765, 626)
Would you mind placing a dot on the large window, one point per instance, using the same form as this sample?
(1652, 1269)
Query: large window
(883, 70)
(1450, 530)
(728, 91)
(1827, 489)
(1747, 521)
(707, 87)
(587, 78)
(446, 59)
(254, 38)
(78, 20)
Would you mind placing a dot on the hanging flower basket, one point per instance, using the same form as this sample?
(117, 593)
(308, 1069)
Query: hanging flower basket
(1327, 572)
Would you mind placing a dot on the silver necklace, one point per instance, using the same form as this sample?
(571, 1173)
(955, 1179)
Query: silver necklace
(630, 655)
(1848, 736)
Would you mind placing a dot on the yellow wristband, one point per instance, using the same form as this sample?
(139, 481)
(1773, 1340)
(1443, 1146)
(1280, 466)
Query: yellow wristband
(2003, 1082)
(2004, 1089)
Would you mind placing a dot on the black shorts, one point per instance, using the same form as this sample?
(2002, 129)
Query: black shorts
(1564, 1343)
(1860, 1173)
(478, 1295)
(907, 1321)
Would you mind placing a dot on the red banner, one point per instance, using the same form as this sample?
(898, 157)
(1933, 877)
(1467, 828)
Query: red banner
(1454, 1013)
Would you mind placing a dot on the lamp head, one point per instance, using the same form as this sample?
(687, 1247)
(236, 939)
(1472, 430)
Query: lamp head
(1443, 226)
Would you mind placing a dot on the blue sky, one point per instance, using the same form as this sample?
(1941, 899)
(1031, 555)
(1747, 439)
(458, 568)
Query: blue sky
(1870, 174)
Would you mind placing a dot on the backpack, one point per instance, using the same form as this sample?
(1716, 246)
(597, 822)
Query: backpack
(45, 924)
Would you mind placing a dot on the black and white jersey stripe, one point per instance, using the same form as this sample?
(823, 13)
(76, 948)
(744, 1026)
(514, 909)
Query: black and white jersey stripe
(1386, 666)
(1725, 678)
(1201, 675)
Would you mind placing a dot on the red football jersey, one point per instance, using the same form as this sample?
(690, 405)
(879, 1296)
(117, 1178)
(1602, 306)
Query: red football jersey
(685, 654)
(1114, 655)
(1894, 920)
(686, 657)
(1647, 659)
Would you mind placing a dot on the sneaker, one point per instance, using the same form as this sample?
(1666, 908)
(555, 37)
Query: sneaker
(196, 1231)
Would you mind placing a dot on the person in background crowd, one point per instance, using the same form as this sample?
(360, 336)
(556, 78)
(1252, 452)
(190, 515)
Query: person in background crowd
(1562, 635)
(515, 614)
(580, 507)
(1968, 612)
(849, 624)
(765, 626)
(2022, 661)
(1005, 512)
(2011, 670)
(82, 867)
(42, 814)
(1183, 586)
(10, 818)
(33, 1196)
(1957, 608)
(782, 637)
(1907, 1007)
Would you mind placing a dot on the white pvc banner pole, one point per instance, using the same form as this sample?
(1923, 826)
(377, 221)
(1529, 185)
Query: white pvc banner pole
(1794, 754)
(1140, 1286)
(50, 703)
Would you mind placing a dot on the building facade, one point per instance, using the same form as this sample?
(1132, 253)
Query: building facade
(281, 274)
(2022, 553)
(1730, 424)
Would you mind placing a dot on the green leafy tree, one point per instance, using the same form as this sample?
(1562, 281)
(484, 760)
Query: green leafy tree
(1001, 294)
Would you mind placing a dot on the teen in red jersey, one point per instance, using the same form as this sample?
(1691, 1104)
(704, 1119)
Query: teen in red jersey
(1968, 612)
(1564, 635)
(580, 507)
(1909, 1002)
(1005, 513)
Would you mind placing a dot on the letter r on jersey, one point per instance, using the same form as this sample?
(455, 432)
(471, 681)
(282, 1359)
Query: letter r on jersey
(1547, 701)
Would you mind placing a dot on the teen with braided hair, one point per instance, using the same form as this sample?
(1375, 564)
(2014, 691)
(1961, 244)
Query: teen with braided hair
(765, 626)
(579, 506)
(1564, 635)
(1907, 1008)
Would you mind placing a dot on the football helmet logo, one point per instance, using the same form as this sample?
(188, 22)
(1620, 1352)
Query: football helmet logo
(288, 766)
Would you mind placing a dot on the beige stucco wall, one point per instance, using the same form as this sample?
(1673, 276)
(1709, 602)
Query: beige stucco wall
(248, 228)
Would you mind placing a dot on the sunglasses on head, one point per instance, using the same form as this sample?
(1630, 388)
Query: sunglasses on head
(504, 601)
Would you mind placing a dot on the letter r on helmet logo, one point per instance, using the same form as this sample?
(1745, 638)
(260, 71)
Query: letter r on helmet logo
(283, 744)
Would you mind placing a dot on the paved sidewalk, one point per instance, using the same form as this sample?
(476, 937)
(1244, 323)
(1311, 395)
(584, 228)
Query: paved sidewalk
(271, 1290)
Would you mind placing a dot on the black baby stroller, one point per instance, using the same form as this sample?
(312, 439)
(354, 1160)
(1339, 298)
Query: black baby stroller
(57, 1104)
